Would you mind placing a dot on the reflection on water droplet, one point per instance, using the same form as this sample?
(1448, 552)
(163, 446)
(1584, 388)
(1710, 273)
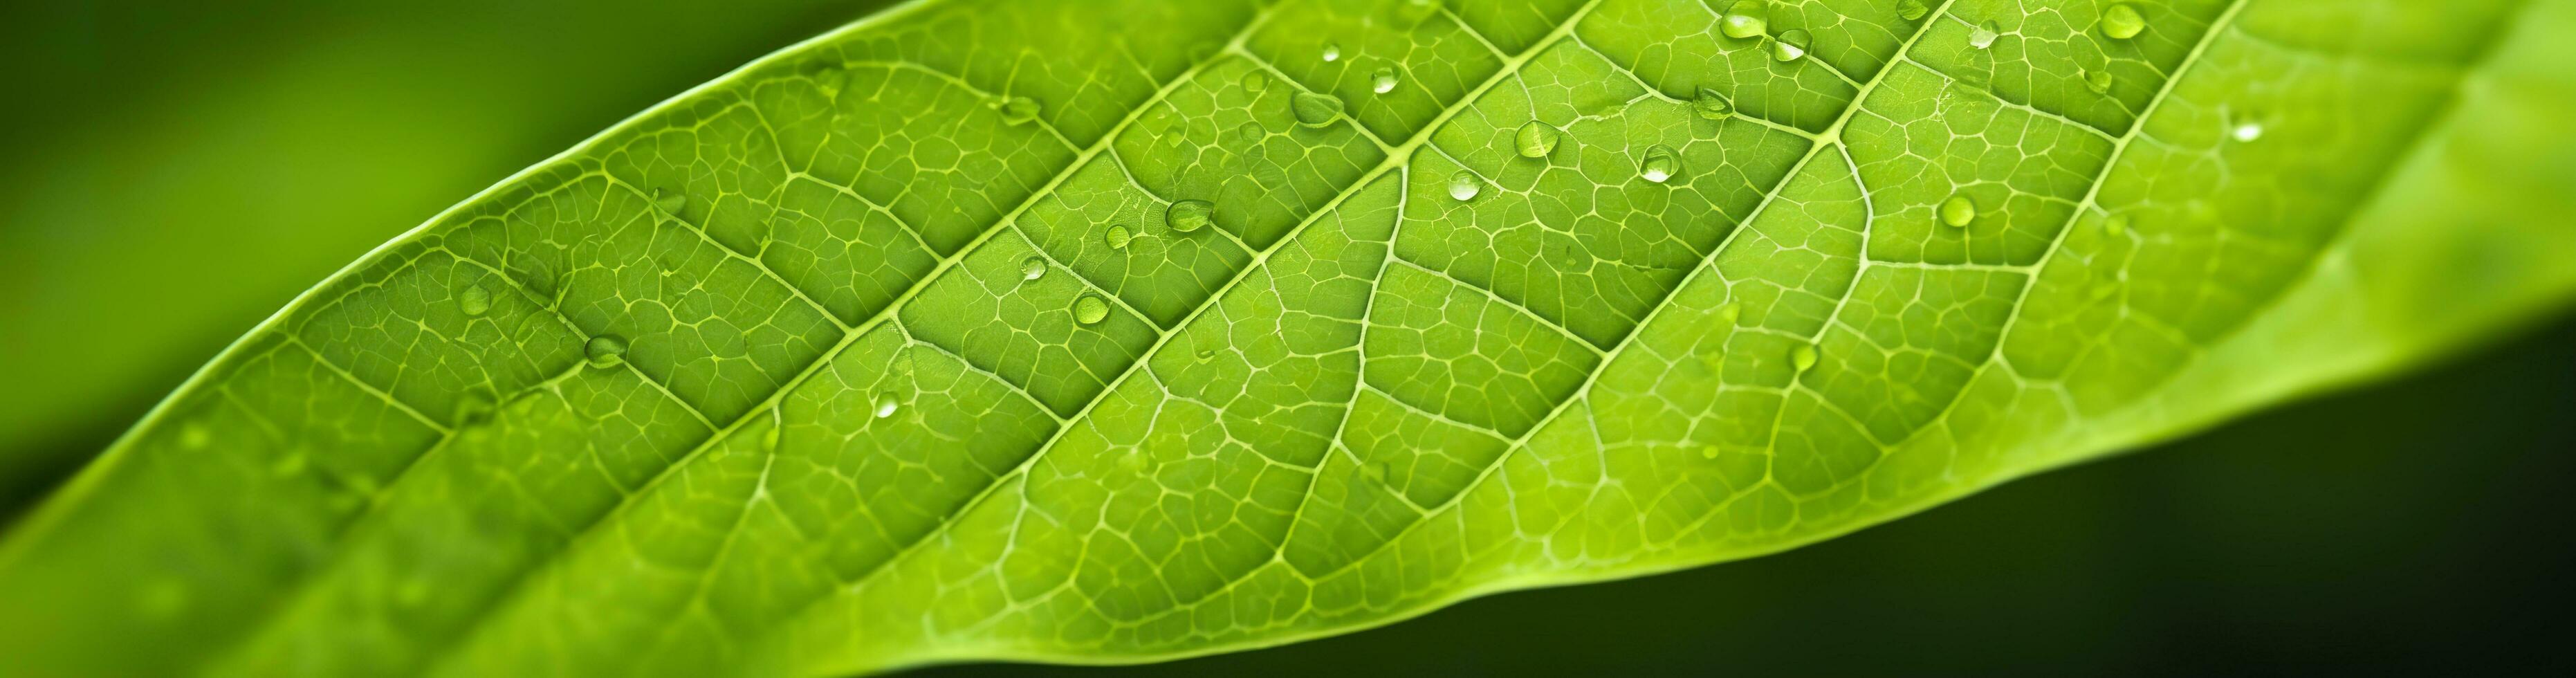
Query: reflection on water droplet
(1032, 268)
(606, 350)
(1958, 210)
(1711, 105)
(2245, 128)
(887, 404)
(1708, 451)
(1255, 81)
(1332, 51)
(2121, 21)
(474, 300)
(1984, 35)
(1730, 312)
(2097, 80)
(1659, 165)
(1745, 19)
(1250, 132)
(1117, 237)
(1090, 310)
(1464, 185)
(1315, 110)
(1189, 215)
(1382, 81)
(1790, 46)
(670, 202)
(1535, 140)
(1803, 358)
(2117, 224)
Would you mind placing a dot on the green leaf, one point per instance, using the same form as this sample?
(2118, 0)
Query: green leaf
(903, 345)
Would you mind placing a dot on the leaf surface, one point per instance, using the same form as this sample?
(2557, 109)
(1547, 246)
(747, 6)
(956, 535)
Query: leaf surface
(907, 344)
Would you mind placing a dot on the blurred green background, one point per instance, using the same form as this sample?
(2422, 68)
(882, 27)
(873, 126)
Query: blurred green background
(176, 171)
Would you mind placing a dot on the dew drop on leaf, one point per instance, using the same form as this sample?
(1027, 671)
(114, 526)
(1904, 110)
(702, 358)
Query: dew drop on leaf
(670, 202)
(1117, 236)
(1464, 185)
(1711, 105)
(1535, 139)
(606, 350)
(1332, 51)
(1803, 358)
(1659, 165)
(2121, 21)
(1016, 110)
(1790, 46)
(1375, 471)
(1090, 310)
(1383, 80)
(474, 300)
(1958, 210)
(1730, 312)
(1708, 451)
(1189, 215)
(1984, 35)
(2097, 80)
(2117, 224)
(474, 408)
(887, 404)
(2245, 128)
(1745, 19)
(1315, 110)
(1912, 10)
(1032, 268)
(1255, 81)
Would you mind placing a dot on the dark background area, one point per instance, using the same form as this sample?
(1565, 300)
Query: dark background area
(191, 166)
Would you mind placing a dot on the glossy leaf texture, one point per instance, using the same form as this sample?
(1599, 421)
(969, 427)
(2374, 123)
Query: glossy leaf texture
(1125, 330)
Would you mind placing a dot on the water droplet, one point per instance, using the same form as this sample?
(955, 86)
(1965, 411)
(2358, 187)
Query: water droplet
(1418, 10)
(1117, 236)
(1016, 110)
(1912, 10)
(1958, 210)
(1255, 81)
(1376, 471)
(1189, 215)
(1332, 51)
(2103, 290)
(830, 80)
(1803, 358)
(2121, 21)
(1315, 110)
(769, 438)
(1464, 185)
(1206, 354)
(474, 300)
(1730, 312)
(1090, 310)
(1659, 165)
(670, 202)
(1382, 81)
(2117, 224)
(1032, 268)
(606, 350)
(2245, 128)
(1984, 35)
(2097, 80)
(1790, 46)
(1250, 132)
(1745, 19)
(1535, 139)
(1711, 105)
(1708, 451)
(887, 404)
(473, 408)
